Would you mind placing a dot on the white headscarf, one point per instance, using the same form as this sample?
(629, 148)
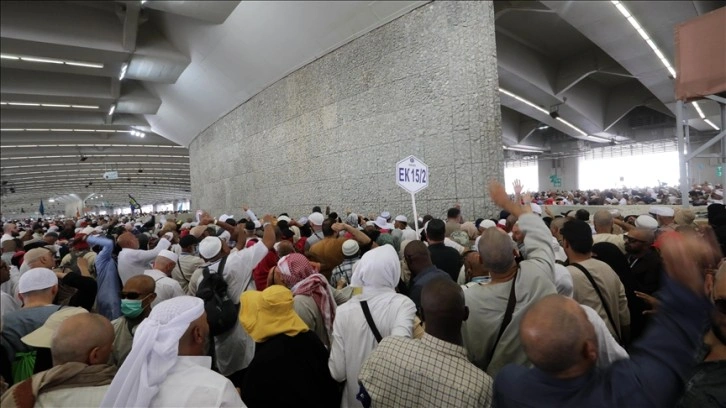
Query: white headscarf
(153, 353)
(378, 269)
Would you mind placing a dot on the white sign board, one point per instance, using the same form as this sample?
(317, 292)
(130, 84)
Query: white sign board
(110, 175)
(412, 174)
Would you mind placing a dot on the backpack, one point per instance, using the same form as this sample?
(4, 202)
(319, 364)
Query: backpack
(222, 312)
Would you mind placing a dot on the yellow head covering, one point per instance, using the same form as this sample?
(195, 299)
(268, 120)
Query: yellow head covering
(269, 313)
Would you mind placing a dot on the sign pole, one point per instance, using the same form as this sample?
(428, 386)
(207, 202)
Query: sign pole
(415, 215)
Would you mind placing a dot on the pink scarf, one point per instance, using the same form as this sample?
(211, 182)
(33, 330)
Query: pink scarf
(299, 275)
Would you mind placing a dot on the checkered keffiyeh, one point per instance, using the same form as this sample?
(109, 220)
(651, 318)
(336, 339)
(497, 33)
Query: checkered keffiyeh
(299, 275)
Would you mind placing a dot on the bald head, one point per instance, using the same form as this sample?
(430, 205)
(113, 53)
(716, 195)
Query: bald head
(285, 248)
(496, 250)
(603, 221)
(142, 284)
(39, 258)
(128, 240)
(164, 264)
(417, 257)
(557, 337)
(82, 338)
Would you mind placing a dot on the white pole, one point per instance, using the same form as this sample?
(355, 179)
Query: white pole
(415, 215)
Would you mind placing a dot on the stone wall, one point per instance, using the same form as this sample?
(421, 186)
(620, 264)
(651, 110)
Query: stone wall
(331, 132)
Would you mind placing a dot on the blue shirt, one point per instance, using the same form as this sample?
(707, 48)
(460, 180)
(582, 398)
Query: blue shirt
(652, 377)
(107, 279)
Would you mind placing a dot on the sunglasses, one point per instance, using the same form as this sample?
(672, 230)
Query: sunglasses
(720, 305)
(131, 295)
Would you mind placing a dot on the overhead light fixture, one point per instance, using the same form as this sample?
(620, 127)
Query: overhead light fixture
(49, 105)
(543, 127)
(524, 149)
(112, 110)
(624, 11)
(526, 102)
(573, 127)
(711, 124)
(124, 68)
(43, 60)
(50, 200)
(56, 61)
(539, 108)
(83, 64)
(703, 116)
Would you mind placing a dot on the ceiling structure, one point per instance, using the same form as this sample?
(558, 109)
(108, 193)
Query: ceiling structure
(185, 64)
(82, 80)
(587, 62)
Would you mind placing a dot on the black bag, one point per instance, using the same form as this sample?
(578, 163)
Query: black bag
(222, 311)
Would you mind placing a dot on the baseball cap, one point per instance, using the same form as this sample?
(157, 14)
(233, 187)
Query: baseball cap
(42, 336)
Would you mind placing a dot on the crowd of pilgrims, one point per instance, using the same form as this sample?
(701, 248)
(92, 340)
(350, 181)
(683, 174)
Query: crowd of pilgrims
(527, 309)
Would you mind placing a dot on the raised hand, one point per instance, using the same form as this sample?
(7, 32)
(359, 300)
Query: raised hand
(517, 184)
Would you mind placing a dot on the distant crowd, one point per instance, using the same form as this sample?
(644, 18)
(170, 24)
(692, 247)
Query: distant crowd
(532, 307)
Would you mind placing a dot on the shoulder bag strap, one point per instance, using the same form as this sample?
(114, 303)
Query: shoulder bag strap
(369, 319)
(511, 302)
(602, 298)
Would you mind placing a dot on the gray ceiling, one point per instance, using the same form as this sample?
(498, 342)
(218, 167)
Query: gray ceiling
(584, 59)
(190, 63)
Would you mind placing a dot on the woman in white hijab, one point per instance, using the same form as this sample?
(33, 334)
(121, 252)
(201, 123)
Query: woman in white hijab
(377, 273)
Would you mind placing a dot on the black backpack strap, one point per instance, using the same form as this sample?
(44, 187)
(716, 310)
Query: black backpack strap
(369, 319)
(602, 298)
(511, 302)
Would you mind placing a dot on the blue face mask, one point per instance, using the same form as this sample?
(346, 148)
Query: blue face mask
(131, 308)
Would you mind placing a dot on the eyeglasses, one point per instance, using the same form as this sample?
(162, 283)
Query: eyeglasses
(132, 295)
(720, 305)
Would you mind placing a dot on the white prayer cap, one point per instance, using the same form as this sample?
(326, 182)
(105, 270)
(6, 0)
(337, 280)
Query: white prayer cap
(502, 222)
(382, 223)
(210, 247)
(370, 224)
(488, 224)
(350, 247)
(225, 236)
(401, 218)
(302, 220)
(646, 221)
(154, 352)
(169, 255)
(283, 218)
(37, 279)
(316, 218)
(186, 225)
(536, 208)
(386, 215)
(663, 211)
(224, 217)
